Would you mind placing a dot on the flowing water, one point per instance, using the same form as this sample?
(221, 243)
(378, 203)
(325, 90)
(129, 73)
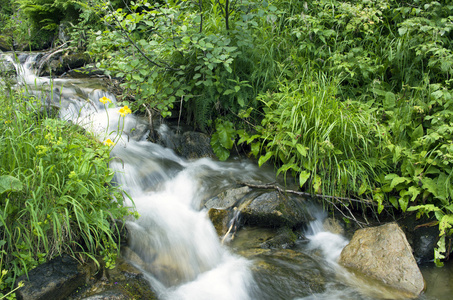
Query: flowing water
(174, 243)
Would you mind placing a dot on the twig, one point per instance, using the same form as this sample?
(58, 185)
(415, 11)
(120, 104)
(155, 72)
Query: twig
(180, 110)
(150, 117)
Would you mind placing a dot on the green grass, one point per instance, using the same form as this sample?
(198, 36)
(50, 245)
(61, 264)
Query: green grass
(56, 194)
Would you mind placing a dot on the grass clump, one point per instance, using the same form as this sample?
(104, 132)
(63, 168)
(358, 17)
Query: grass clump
(56, 193)
(332, 146)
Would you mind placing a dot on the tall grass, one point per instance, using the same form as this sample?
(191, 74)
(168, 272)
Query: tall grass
(333, 146)
(62, 200)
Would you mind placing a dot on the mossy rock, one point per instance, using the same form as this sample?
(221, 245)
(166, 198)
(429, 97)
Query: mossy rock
(274, 209)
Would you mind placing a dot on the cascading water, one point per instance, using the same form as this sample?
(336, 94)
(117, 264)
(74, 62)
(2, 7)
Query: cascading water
(173, 242)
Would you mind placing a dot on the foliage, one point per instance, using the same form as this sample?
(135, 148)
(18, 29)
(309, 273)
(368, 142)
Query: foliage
(182, 54)
(44, 17)
(56, 193)
(353, 98)
(395, 61)
(13, 25)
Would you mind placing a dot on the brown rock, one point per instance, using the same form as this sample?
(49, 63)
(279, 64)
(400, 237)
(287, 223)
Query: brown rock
(384, 254)
(219, 218)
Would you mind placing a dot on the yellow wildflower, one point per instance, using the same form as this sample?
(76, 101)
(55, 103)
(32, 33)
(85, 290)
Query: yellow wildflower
(124, 111)
(109, 142)
(104, 100)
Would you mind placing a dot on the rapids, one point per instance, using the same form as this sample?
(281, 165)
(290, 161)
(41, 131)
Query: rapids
(173, 242)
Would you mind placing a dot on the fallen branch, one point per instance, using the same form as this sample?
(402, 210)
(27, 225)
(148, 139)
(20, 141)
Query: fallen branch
(276, 187)
(326, 198)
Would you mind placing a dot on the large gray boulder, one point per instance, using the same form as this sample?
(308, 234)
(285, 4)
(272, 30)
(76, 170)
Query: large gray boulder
(384, 254)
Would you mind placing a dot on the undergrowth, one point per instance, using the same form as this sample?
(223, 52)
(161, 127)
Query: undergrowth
(56, 194)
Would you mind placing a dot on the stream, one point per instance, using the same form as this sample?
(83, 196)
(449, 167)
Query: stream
(175, 244)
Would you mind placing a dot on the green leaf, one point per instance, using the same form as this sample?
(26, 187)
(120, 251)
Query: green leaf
(403, 201)
(363, 188)
(302, 150)
(255, 148)
(317, 184)
(225, 133)
(10, 184)
(417, 133)
(241, 101)
(284, 168)
(394, 201)
(219, 151)
(398, 180)
(402, 30)
(265, 158)
(429, 185)
(390, 100)
(303, 177)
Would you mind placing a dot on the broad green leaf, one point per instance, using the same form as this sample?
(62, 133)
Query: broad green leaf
(402, 30)
(265, 158)
(403, 201)
(363, 188)
(303, 177)
(219, 151)
(389, 100)
(241, 101)
(417, 133)
(414, 191)
(302, 150)
(429, 185)
(398, 180)
(255, 148)
(379, 198)
(10, 184)
(225, 135)
(394, 201)
(284, 168)
(445, 223)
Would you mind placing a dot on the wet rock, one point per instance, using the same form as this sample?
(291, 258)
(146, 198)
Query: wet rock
(227, 199)
(7, 68)
(122, 282)
(190, 144)
(139, 131)
(423, 235)
(333, 225)
(274, 209)
(292, 274)
(195, 145)
(384, 254)
(59, 64)
(109, 295)
(84, 72)
(220, 219)
(284, 239)
(54, 280)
